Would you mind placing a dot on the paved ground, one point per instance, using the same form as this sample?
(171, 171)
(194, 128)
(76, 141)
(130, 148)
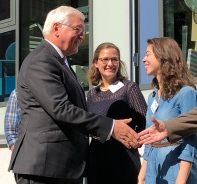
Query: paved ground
(5, 176)
(8, 177)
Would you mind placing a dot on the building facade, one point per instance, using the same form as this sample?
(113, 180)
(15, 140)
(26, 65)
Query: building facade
(126, 23)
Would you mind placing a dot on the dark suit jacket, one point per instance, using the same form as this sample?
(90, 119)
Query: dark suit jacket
(54, 125)
(183, 126)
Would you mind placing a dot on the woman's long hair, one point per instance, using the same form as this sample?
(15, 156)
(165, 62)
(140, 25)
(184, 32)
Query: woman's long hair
(174, 72)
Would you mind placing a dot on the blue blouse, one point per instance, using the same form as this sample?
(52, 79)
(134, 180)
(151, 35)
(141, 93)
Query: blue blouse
(163, 163)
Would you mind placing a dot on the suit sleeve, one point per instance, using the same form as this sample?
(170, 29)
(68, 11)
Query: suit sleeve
(183, 126)
(43, 79)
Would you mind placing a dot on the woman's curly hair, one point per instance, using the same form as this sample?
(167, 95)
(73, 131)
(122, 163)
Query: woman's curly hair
(93, 74)
(174, 72)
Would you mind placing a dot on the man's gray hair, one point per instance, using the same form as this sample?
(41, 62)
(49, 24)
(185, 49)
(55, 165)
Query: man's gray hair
(61, 15)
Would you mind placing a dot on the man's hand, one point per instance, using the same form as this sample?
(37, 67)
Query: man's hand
(124, 134)
(154, 133)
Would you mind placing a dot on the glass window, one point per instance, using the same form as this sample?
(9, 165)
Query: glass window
(7, 64)
(33, 14)
(150, 25)
(7, 48)
(5, 9)
(7, 15)
(180, 23)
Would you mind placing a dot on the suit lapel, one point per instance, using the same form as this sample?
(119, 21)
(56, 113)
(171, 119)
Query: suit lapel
(81, 90)
(72, 74)
(69, 71)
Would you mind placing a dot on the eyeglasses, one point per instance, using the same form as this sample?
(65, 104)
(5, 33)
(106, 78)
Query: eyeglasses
(77, 29)
(105, 60)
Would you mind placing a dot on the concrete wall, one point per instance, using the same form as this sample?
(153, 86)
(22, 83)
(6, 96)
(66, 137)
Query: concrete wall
(111, 23)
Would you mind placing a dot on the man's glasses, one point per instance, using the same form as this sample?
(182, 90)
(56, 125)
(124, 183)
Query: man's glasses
(77, 29)
(105, 60)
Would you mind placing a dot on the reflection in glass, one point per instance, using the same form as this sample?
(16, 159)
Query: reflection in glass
(4, 9)
(32, 19)
(7, 64)
(179, 24)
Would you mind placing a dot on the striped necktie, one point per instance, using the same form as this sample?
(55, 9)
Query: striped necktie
(67, 64)
(72, 71)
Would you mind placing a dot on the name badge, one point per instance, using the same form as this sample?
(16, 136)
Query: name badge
(154, 106)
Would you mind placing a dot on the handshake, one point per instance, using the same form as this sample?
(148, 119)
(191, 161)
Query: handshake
(128, 137)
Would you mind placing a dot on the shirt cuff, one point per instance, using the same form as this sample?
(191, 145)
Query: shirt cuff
(110, 133)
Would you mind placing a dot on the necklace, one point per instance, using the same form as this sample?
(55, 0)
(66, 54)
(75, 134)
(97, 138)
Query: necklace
(103, 89)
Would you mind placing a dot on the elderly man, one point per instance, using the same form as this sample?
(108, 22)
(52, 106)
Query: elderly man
(54, 125)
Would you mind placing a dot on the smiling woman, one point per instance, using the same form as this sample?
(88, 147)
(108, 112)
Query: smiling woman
(116, 97)
(173, 83)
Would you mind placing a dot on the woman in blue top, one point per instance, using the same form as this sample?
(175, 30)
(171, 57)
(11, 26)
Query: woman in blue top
(174, 94)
